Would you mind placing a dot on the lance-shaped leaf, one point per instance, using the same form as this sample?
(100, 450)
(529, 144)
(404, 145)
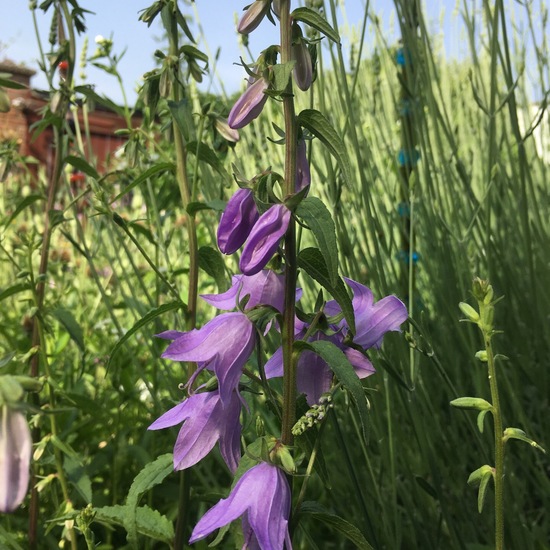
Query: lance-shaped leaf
(316, 21)
(322, 129)
(481, 477)
(516, 433)
(317, 217)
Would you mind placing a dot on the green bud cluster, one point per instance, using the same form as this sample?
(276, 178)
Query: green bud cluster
(313, 415)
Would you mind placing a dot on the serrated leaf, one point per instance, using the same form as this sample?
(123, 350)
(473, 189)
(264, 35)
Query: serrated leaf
(318, 218)
(146, 319)
(80, 164)
(27, 201)
(344, 527)
(181, 113)
(211, 262)
(66, 318)
(322, 129)
(343, 369)
(149, 522)
(153, 474)
(311, 260)
(153, 171)
(316, 21)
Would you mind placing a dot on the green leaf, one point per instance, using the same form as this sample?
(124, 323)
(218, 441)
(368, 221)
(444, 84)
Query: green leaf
(8, 83)
(153, 474)
(476, 403)
(281, 75)
(181, 113)
(482, 491)
(27, 201)
(345, 373)
(318, 218)
(14, 289)
(66, 318)
(211, 262)
(153, 171)
(480, 419)
(153, 314)
(344, 527)
(89, 92)
(206, 154)
(65, 448)
(217, 205)
(321, 128)
(481, 477)
(516, 433)
(316, 21)
(149, 522)
(80, 164)
(311, 260)
(78, 478)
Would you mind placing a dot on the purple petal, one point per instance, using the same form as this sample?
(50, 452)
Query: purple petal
(264, 239)
(226, 300)
(253, 16)
(15, 456)
(361, 364)
(362, 296)
(249, 105)
(386, 315)
(303, 69)
(176, 415)
(170, 334)
(237, 221)
(303, 173)
(314, 376)
(274, 365)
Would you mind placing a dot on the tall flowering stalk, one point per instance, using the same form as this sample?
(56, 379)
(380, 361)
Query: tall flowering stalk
(261, 218)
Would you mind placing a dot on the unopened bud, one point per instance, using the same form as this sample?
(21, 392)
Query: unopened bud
(253, 16)
(469, 311)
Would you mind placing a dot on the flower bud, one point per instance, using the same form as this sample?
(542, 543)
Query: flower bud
(264, 239)
(237, 221)
(253, 16)
(222, 127)
(303, 70)
(303, 174)
(15, 456)
(469, 311)
(249, 105)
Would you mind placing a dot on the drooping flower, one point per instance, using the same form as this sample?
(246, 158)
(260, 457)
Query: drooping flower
(262, 498)
(253, 16)
(249, 105)
(265, 288)
(372, 321)
(237, 221)
(206, 421)
(223, 346)
(15, 456)
(264, 239)
(303, 69)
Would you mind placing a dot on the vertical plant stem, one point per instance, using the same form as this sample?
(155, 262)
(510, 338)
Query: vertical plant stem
(289, 362)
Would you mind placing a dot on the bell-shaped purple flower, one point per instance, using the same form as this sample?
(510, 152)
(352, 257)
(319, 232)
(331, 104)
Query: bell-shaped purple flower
(264, 239)
(206, 421)
(265, 288)
(303, 69)
(223, 346)
(262, 498)
(253, 16)
(237, 221)
(372, 320)
(15, 456)
(249, 105)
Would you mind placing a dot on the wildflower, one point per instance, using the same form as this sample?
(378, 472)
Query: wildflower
(249, 105)
(265, 288)
(206, 421)
(237, 221)
(223, 346)
(262, 498)
(264, 239)
(303, 69)
(15, 456)
(253, 16)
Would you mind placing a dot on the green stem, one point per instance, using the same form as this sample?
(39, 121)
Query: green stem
(289, 362)
(499, 446)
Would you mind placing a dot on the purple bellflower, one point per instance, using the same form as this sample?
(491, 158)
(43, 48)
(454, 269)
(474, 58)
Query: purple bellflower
(249, 105)
(253, 16)
(15, 456)
(264, 239)
(237, 221)
(223, 346)
(206, 421)
(372, 321)
(264, 288)
(262, 498)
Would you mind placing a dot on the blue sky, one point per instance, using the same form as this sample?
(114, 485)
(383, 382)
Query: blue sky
(119, 19)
